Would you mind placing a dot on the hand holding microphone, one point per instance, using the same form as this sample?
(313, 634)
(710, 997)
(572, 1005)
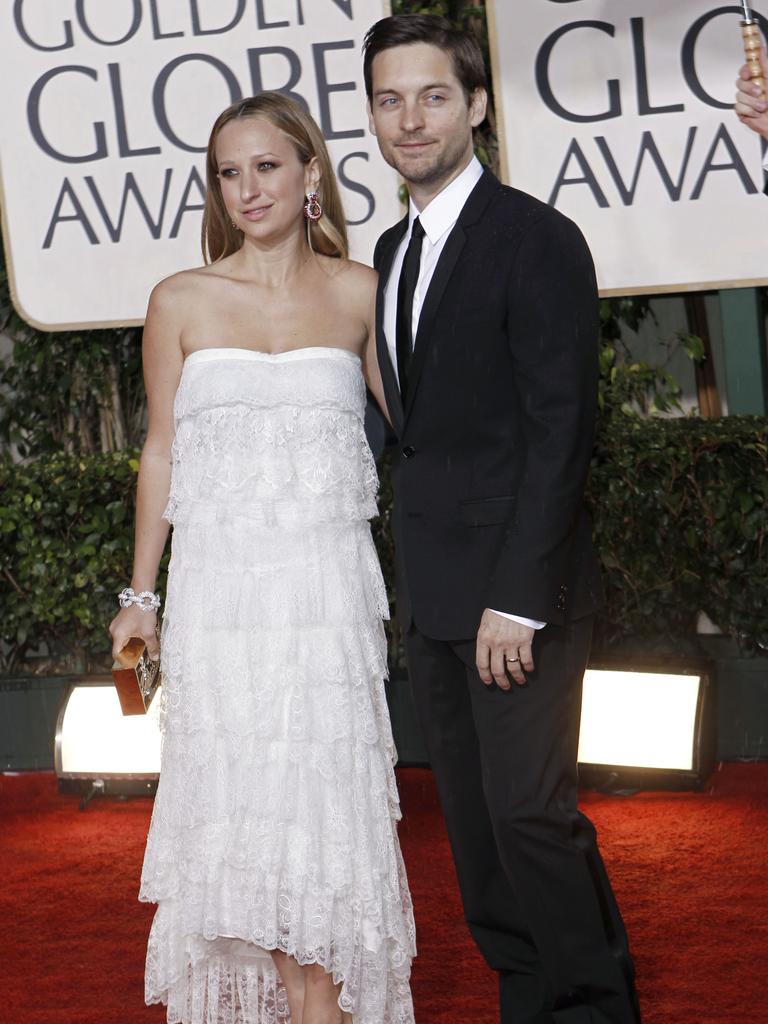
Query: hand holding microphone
(751, 106)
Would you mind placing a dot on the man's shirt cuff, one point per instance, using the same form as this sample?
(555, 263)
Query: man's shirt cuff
(533, 623)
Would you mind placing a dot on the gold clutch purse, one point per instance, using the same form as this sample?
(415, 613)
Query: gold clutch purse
(136, 677)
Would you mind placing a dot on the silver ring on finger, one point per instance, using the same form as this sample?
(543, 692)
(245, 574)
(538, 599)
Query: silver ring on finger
(512, 660)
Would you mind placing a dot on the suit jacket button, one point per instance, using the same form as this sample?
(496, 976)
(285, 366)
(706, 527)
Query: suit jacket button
(409, 451)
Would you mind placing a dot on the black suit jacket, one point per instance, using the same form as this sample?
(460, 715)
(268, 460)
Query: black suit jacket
(495, 439)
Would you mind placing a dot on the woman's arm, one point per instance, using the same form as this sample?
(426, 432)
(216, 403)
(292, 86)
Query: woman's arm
(371, 370)
(163, 358)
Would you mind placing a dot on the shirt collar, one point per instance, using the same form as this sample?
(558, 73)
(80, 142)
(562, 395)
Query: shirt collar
(443, 211)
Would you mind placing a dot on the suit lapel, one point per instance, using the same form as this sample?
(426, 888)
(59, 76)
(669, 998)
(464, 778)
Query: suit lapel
(473, 209)
(388, 374)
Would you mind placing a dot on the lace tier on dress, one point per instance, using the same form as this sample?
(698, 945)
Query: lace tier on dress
(274, 825)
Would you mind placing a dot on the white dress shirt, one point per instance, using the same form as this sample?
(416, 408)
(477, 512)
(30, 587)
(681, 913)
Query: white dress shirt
(438, 220)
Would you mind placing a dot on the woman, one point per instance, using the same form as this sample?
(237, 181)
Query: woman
(272, 853)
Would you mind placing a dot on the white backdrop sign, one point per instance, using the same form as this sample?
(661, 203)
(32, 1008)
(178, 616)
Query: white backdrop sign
(105, 111)
(619, 113)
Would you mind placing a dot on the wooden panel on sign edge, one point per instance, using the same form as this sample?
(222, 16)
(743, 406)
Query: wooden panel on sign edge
(90, 325)
(498, 98)
(678, 289)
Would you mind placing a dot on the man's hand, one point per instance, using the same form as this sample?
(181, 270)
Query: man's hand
(751, 106)
(504, 649)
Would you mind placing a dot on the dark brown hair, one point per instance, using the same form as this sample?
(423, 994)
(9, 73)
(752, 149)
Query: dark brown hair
(327, 235)
(404, 29)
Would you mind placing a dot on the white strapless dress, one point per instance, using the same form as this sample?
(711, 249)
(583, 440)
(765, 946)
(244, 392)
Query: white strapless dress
(274, 825)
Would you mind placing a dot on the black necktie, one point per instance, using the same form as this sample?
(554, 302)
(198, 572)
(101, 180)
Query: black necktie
(406, 290)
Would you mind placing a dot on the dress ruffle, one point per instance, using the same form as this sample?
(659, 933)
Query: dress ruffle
(243, 449)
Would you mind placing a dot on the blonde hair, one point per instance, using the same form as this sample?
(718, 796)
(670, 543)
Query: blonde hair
(328, 235)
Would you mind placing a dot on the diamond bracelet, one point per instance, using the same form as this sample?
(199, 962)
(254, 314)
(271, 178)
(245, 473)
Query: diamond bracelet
(146, 601)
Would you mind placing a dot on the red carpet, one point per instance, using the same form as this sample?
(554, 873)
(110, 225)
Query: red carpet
(690, 871)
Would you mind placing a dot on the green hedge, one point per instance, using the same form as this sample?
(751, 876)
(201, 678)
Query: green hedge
(66, 536)
(680, 519)
(680, 515)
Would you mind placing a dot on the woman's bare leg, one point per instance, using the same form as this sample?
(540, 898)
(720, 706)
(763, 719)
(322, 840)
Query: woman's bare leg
(321, 1000)
(292, 977)
(312, 996)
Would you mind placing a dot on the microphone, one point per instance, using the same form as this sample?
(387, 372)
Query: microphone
(750, 31)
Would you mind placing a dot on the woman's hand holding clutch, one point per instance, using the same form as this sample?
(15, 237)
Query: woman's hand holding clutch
(130, 622)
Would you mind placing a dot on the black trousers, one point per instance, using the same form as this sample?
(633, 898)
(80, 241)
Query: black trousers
(536, 896)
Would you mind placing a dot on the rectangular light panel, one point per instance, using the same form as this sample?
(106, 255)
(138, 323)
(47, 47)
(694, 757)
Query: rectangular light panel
(98, 740)
(638, 719)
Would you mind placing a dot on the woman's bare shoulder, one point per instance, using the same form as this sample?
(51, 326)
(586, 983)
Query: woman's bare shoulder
(352, 270)
(362, 273)
(354, 279)
(179, 284)
(184, 292)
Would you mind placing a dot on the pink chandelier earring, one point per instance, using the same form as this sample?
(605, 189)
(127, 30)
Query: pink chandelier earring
(312, 208)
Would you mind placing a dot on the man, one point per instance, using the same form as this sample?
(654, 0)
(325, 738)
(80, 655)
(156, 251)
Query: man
(487, 330)
(751, 106)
